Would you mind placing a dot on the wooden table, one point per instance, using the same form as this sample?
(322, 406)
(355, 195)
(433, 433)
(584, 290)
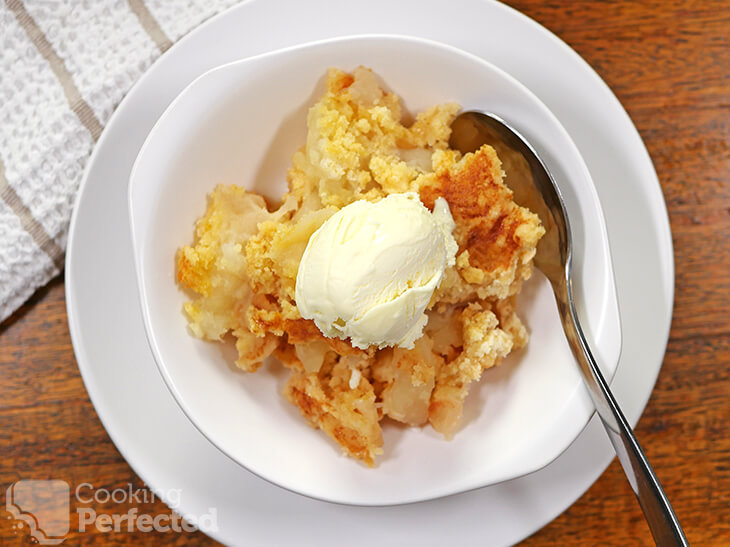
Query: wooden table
(668, 61)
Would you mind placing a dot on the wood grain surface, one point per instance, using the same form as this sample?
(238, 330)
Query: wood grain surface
(668, 61)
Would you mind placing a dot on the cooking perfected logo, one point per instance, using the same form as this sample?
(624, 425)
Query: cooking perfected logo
(43, 506)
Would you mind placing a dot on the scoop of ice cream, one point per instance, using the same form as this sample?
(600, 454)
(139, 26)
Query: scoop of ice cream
(369, 271)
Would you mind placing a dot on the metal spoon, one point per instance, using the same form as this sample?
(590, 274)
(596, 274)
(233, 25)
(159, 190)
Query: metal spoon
(534, 188)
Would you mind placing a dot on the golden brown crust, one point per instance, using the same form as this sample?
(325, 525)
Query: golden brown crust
(301, 331)
(348, 416)
(487, 220)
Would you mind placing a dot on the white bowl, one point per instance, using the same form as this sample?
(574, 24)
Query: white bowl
(240, 123)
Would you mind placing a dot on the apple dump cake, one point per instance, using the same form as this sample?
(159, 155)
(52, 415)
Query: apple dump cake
(385, 279)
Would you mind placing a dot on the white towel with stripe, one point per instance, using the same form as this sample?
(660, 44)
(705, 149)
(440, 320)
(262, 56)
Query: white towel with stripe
(64, 67)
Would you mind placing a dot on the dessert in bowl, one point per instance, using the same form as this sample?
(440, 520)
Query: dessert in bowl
(238, 126)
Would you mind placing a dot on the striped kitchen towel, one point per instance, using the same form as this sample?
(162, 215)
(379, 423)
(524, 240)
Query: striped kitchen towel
(64, 66)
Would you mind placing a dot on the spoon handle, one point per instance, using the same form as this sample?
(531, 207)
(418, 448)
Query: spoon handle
(657, 510)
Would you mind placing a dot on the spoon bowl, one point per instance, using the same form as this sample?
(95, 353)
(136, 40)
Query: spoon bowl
(533, 187)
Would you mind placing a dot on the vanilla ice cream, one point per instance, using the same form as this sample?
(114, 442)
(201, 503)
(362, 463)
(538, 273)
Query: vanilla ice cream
(369, 271)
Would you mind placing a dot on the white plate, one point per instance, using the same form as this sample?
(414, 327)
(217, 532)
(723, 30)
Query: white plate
(524, 414)
(164, 447)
